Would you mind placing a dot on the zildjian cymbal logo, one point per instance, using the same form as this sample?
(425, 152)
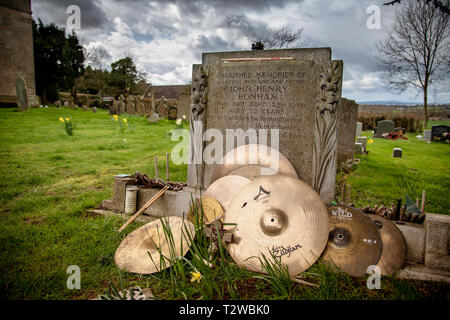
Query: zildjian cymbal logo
(262, 193)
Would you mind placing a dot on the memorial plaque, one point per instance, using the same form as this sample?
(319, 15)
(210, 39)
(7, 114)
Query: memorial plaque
(298, 97)
(427, 135)
(172, 113)
(347, 129)
(384, 126)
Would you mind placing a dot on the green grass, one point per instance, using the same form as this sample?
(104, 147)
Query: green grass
(49, 181)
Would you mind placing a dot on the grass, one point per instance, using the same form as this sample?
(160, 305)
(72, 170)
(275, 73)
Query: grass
(49, 180)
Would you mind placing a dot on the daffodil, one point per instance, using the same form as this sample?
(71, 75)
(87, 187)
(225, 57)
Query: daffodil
(370, 141)
(125, 120)
(67, 119)
(116, 118)
(184, 117)
(196, 276)
(61, 119)
(178, 122)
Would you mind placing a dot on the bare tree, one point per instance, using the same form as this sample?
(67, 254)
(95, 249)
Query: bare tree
(440, 4)
(96, 57)
(415, 52)
(277, 38)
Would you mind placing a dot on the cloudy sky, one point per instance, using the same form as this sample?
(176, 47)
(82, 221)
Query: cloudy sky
(167, 36)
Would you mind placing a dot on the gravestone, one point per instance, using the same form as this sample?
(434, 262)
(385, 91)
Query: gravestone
(347, 129)
(298, 95)
(113, 108)
(140, 107)
(397, 153)
(121, 105)
(162, 109)
(427, 135)
(21, 94)
(184, 102)
(362, 140)
(359, 126)
(94, 109)
(84, 108)
(130, 107)
(438, 130)
(57, 104)
(359, 148)
(384, 126)
(154, 117)
(172, 113)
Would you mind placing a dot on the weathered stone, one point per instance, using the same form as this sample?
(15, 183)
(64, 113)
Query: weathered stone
(359, 126)
(300, 98)
(21, 92)
(384, 126)
(437, 244)
(420, 272)
(347, 129)
(57, 103)
(362, 140)
(427, 135)
(162, 110)
(414, 235)
(172, 113)
(184, 102)
(130, 107)
(140, 107)
(84, 108)
(438, 130)
(121, 105)
(94, 109)
(359, 148)
(154, 117)
(397, 153)
(66, 103)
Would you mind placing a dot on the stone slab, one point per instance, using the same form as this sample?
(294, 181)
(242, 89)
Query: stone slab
(420, 272)
(347, 129)
(414, 235)
(384, 126)
(359, 127)
(437, 244)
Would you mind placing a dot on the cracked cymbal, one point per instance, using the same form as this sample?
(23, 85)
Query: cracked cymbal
(354, 242)
(252, 161)
(133, 252)
(281, 217)
(393, 254)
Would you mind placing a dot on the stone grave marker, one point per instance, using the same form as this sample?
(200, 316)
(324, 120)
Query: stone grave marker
(154, 117)
(362, 140)
(130, 107)
(162, 108)
(184, 101)
(140, 107)
(94, 109)
(121, 105)
(347, 129)
(66, 103)
(359, 148)
(57, 104)
(397, 153)
(21, 94)
(438, 130)
(359, 126)
(298, 95)
(427, 135)
(384, 126)
(172, 113)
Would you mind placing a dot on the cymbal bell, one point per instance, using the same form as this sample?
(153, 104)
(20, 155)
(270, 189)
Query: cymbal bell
(393, 254)
(211, 208)
(281, 217)
(354, 243)
(254, 160)
(224, 189)
(133, 253)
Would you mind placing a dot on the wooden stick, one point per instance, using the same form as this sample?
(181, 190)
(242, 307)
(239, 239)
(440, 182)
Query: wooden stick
(304, 282)
(402, 212)
(348, 194)
(423, 201)
(343, 193)
(167, 167)
(148, 204)
(156, 167)
(417, 203)
(256, 59)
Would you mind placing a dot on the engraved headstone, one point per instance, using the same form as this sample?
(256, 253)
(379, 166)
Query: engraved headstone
(130, 107)
(427, 135)
(121, 105)
(397, 153)
(359, 126)
(184, 102)
(298, 96)
(359, 148)
(384, 126)
(347, 129)
(21, 94)
(140, 107)
(172, 113)
(362, 140)
(438, 130)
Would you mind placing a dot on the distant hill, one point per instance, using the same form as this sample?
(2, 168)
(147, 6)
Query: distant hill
(390, 103)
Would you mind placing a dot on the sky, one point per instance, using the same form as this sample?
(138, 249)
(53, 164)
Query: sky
(167, 36)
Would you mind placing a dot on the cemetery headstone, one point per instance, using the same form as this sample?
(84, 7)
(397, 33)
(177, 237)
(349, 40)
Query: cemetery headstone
(21, 94)
(130, 107)
(384, 126)
(359, 126)
(94, 109)
(172, 113)
(397, 153)
(298, 96)
(362, 140)
(438, 130)
(154, 117)
(140, 107)
(57, 104)
(347, 129)
(162, 108)
(184, 101)
(121, 105)
(427, 135)
(84, 108)
(113, 108)
(359, 148)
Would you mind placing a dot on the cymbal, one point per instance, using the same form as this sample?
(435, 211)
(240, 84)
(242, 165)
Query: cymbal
(212, 209)
(393, 255)
(279, 216)
(354, 242)
(263, 160)
(225, 188)
(133, 252)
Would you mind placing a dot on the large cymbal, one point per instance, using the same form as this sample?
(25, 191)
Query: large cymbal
(225, 188)
(281, 216)
(393, 255)
(354, 243)
(208, 206)
(133, 252)
(259, 159)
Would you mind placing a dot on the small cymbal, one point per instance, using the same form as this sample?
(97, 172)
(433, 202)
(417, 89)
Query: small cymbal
(225, 188)
(259, 160)
(211, 208)
(133, 252)
(279, 216)
(354, 243)
(393, 255)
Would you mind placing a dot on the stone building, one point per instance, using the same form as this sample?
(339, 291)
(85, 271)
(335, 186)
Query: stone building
(16, 50)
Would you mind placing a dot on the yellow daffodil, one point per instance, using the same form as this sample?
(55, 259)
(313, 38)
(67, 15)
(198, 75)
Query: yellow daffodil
(370, 141)
(184, 117)
(178, 122)
(196, 276)
(61, 119)
(67, 119)
(116, 118)
(125, 120)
